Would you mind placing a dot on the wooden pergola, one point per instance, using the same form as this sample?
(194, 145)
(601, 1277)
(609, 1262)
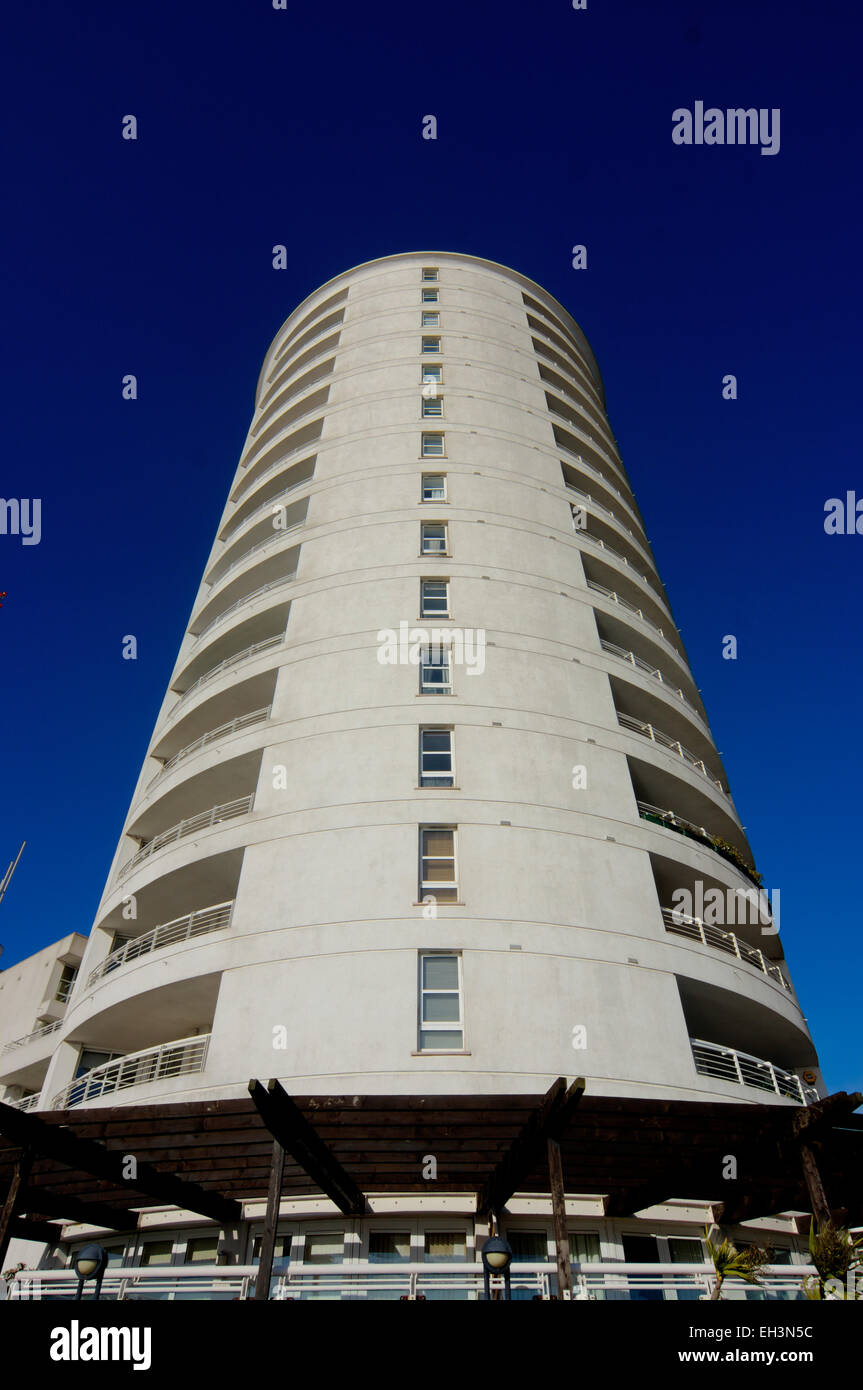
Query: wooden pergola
(209, 1157)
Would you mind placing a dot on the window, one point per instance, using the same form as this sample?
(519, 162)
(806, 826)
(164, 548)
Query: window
(436, 762)
(432, 446)
(389, 1247)
(437, 865)
(430, 296)
(430, 344)
(433, 537)
(434, 487)
(324, 1248)
(157, 1252)
(445, 1245)
(67, 980)
(435, 678)
(432, 405)
(203, 1250)
(434, 598)
(429, 272)
(440, 1004)
(432, 372)
(430, 318)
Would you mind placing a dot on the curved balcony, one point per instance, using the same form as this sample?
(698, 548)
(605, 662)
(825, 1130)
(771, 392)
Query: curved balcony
(274, 496)
(247, 554)
(170, 1059)
(695, 930)
(637, 726)
(601, 506)
(618, 555)
(614, 650)
(25, 1104)
(671, 821)
(614, 597)
(244, 600)
(200, 923)
(229, 810)
(31, 1037)
(243, 721)
(727, 1064)
(255, 649)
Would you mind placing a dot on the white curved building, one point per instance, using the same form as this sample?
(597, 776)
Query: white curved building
(366, 857)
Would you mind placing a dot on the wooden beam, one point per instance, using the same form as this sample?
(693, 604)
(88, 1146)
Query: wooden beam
(46, 1202)
(558, 1211)
(271, 1223)
(815, 1187)
(528, 1150)
(289, 1126)
(23, 1229)
(62, 1144)
(12, 1204)
(814, 1118)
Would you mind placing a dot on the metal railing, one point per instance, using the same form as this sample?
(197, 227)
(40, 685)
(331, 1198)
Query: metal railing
(241, 602)
(254, 650)
(243, 721)
(232, 526)
(200, 923)
(179, 1058)
(672, 821)
(26, 1102)
(696, 930)
(654, 671)
(610, 550)
(603, 507)
(638, 726)
(31, 1037)
(727, 1064)
(631, 608)
(606, 1280)
(253, 550)
(228, 810)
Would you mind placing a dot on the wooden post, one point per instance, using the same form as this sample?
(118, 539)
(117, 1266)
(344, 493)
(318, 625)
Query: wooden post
(13, 1200)
(558, 1207)
(817, 1195)
(271, 1223)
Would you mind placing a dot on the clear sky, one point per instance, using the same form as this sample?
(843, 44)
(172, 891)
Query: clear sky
(303, 126)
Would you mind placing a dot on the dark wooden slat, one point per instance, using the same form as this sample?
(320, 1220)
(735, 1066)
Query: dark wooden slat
(558, 1211)
(12, 1204)
(286, 1122)
(271, 1223)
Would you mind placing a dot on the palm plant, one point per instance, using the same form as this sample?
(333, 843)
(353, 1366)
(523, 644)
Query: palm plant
(834, 1254)
(731, 1263)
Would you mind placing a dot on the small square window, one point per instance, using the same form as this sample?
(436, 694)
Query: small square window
(435, 676)
(432, 405)
(434, 598)
(433, 537)
(432, 373)
(434, 487)
(430, 296)
(430, 344)
(430, 319)
(389, 1247)
(440, 1001)
(436, 758)
(432, 446)
(429, 272)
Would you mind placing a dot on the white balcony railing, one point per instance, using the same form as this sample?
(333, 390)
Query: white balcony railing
(638, 726)
(200, 923)
(26, 1103)
(179, 1058)
(727, 1064)
(462, 1281)
(721, 940)
(254, 650)
(243, 721)
(32, 1037)
(229, 810)
(253, 550)
(654, 671)
(631, 608)
(246, 598)
(233, 525)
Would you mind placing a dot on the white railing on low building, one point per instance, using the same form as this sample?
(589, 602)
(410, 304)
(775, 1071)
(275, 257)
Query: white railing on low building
(179, 1058)
(638, 726)
(228, 810)
(254, 650)
(246, 598)
(728, 1064)
(243, 721)
(32, 1037)
(697, 930)
(25, 1103)
(200, 923)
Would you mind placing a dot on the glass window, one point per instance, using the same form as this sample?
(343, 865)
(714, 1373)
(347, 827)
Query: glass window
(432, 444)
(389, 1247)
(429, 272)
(432, 405)
(324, 1248)
(67, 980)
(436, 758)
(430, 344)
(203, 1250)
(430, 296)
(434, 487)
(432, 372)
(434, 598)
(440, 1001)
(435, 676)
(157, 1252)
(430, 318)
(684, 1250)
(445, 1245)
(584, 1247)
(433, 537)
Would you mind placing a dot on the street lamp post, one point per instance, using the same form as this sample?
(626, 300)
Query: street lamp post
(90, 1264)
(496, 1259)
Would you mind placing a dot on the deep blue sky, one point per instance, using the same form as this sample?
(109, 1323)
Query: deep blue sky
(303, 126)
